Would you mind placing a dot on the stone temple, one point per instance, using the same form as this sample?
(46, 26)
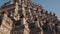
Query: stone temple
(26, 17)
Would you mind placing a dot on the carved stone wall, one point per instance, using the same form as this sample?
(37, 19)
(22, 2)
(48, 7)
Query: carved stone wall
(26, 17)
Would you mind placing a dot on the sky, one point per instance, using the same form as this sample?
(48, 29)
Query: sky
(49, 5)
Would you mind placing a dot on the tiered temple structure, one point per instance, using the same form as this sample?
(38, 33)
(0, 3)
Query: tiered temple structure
(26, 17)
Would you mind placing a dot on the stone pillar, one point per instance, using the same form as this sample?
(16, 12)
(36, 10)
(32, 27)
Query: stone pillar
(42, 32)
(6, 25)
(26, 29)
(16, 15)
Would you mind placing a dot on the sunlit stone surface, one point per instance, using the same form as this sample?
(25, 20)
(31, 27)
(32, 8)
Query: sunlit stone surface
(26, 17)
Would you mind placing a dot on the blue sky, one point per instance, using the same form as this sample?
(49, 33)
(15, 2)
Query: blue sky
(50, 5)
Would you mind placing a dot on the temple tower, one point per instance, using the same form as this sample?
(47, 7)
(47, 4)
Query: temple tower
(26, 17)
